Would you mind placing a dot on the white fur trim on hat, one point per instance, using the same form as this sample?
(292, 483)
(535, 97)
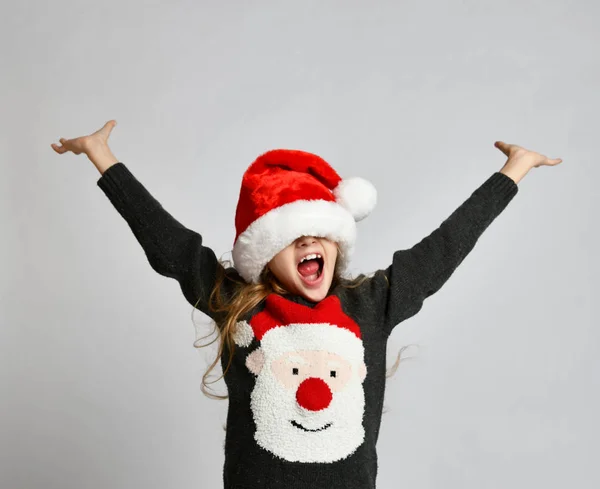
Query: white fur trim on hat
(313, 336)
(278, 228)
(357, 195)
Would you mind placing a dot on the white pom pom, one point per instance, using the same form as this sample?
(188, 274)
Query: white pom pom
(357, 195)
(243, 334)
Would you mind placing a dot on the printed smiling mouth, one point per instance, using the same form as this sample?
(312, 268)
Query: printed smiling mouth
(299, 426)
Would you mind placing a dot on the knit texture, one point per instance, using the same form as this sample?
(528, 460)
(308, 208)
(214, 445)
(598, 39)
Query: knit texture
(307, 381)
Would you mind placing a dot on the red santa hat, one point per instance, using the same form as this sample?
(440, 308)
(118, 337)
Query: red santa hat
(284, 326)
(286, 194)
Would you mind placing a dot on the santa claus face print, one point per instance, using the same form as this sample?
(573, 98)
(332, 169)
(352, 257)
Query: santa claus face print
(308, 402)
(306, 267)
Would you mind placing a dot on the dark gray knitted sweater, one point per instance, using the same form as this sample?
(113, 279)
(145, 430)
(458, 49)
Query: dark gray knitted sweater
(302, 416)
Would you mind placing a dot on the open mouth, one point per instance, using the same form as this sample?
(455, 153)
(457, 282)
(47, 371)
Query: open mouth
(299, 426)
(310, 268)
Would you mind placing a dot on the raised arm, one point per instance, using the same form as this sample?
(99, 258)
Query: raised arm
(398, 292)
(172, 249)
(419, 272)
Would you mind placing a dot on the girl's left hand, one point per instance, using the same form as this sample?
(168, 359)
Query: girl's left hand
(525, 157)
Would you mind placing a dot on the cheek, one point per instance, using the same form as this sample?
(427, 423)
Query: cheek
(332, 253)
(282, 266)
(287, 276)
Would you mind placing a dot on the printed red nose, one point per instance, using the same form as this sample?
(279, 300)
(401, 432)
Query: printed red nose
(314, 394)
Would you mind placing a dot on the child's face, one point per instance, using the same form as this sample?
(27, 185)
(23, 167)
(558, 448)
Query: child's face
(312, 278)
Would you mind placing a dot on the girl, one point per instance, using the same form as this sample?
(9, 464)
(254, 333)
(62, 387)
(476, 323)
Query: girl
(303, 350)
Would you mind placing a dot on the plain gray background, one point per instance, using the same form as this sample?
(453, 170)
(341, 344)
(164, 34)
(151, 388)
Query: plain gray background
(99, 379)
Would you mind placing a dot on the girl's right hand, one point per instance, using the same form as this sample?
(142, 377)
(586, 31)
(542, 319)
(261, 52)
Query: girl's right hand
(94, 145)
(86, 144)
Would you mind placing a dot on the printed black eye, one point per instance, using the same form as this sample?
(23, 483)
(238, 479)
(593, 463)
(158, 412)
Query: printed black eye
(332, 373)
(295, 371)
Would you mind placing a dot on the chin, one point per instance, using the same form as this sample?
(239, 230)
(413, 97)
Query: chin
(316, 294)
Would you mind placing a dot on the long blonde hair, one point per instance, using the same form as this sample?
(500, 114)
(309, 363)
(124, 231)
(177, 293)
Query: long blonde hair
(245, 298)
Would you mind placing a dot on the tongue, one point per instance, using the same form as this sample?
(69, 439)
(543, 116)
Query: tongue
(308, 268)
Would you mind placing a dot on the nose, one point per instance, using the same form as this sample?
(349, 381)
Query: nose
(306, 240)
(314, 394)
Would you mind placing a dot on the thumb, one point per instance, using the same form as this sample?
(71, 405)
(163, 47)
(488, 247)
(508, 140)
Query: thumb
(502, 146)
(105, 130)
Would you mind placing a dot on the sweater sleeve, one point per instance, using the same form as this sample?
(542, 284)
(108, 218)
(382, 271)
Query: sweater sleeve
(398, 292)
(172, 249)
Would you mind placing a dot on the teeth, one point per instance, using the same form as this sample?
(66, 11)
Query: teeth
(311, 257)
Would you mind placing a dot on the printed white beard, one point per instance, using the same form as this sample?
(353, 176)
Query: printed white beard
(274, 407)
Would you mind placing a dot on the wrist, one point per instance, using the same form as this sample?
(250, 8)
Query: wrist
(515, 168)
(101, 156)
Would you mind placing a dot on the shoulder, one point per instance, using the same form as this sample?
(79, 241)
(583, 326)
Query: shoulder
(363, 294)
